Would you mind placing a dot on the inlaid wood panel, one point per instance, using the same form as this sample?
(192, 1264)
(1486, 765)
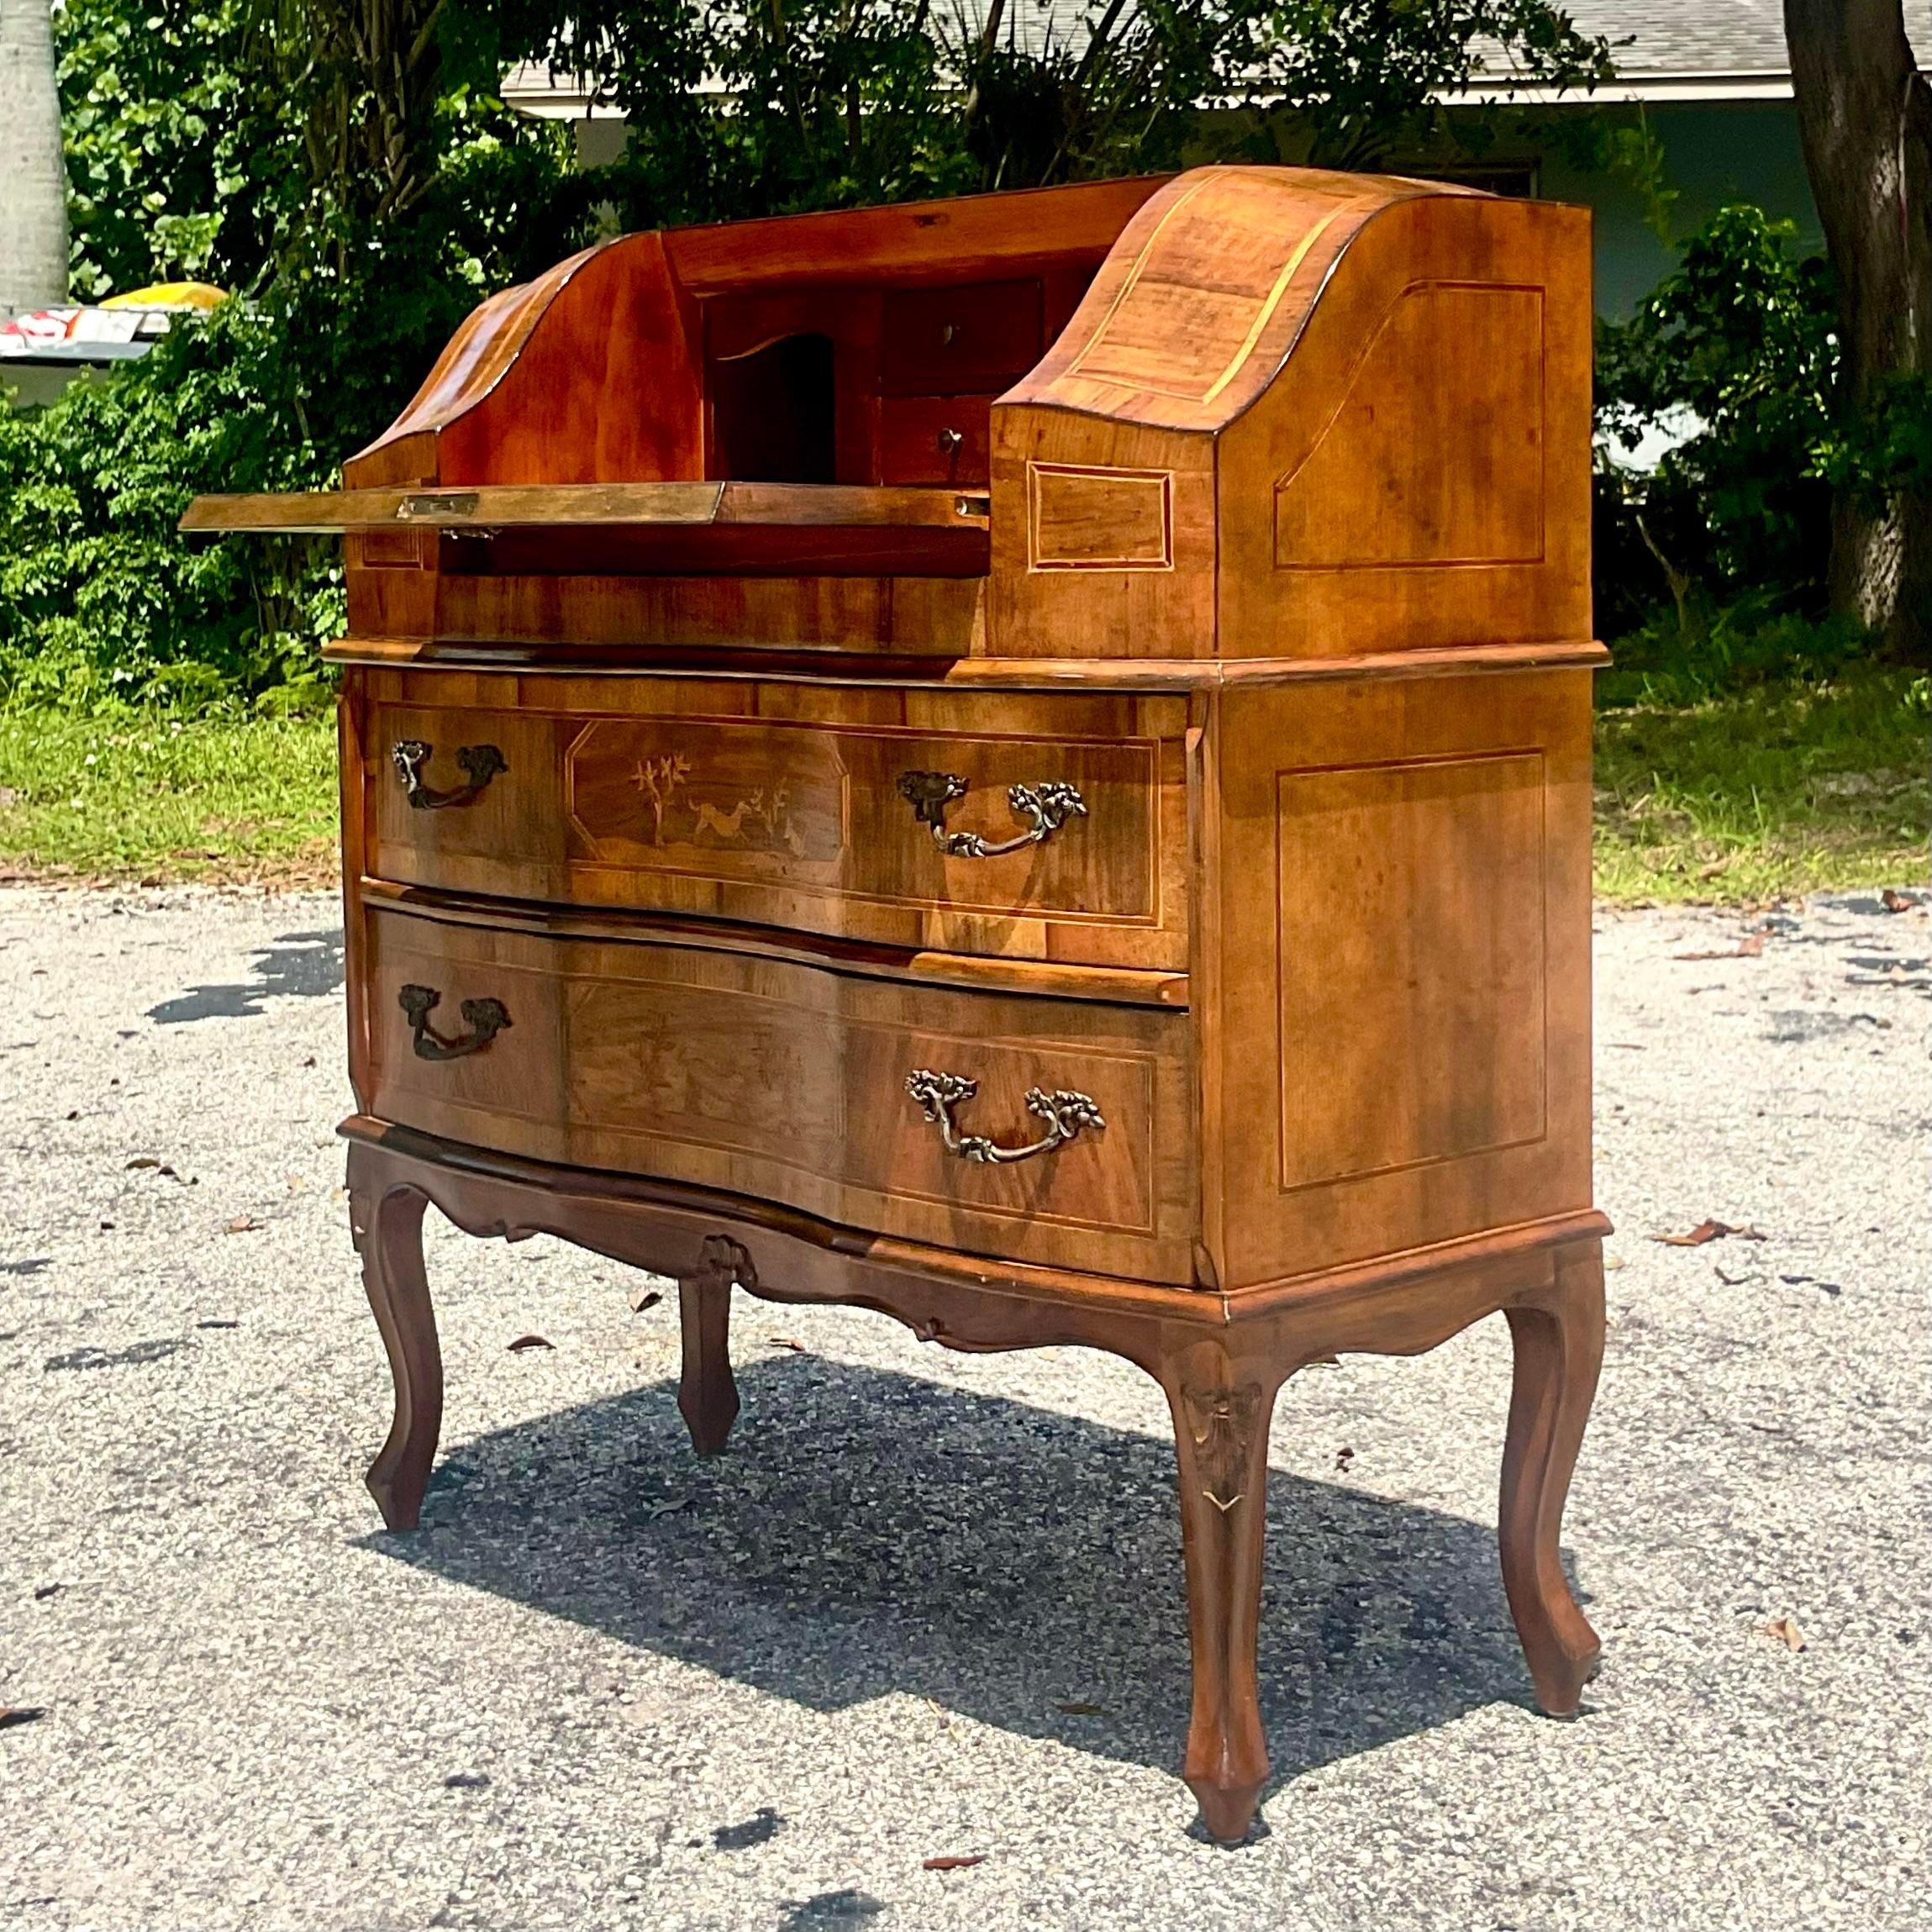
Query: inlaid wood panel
(1396, 990)
(1103, 539)
(780, 804)
(787, 1083)
(1447, 471)
(1205, 291)
(1443, 1014)
(1084, 517)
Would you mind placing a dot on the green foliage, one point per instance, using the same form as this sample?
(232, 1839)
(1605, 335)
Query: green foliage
(820, 103)
(1886, 451)
(194, 147)
(101, 601)
(145, 796)
(1740, 345)
(1674, 661)
(171, 139)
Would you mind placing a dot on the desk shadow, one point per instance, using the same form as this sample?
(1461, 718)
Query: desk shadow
(867, 1532)
(302, 966)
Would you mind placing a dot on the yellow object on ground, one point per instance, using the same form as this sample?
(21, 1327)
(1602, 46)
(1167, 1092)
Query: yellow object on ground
(169, 295)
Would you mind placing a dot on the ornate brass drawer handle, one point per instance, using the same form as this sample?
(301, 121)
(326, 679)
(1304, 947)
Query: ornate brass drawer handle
(481, 761)
(1048, 805)
(1065, 1115)
(485, 1017)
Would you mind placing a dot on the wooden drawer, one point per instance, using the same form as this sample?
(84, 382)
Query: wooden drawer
(780, 805)
(982, 336)
(935, 439)
(787, 1083)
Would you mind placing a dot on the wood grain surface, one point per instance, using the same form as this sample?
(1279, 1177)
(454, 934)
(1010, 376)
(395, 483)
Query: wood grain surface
(785, 1082)
(778, 803)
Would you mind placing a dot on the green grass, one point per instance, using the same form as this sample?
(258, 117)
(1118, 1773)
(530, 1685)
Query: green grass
(154, 798)
(1779, 789)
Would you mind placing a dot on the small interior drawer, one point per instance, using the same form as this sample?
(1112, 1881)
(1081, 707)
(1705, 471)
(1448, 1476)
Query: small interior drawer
(982, 336)
(935, 439)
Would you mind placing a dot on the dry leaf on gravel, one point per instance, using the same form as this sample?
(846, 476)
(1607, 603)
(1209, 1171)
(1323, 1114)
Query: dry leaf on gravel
(644, 1298)
(953, 1861)
(1896, 901)
(1786, 1630)
(1343, 1456)
(1746, 949)
(787, 1342)
(1709, 1231)
(18, 1714)
(524, 1342)
(242, 1224)
(142, 1160)
(1082, 1710)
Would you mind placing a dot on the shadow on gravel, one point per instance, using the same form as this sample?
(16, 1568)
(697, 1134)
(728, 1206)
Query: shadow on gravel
(869, 1532)
(296, 965)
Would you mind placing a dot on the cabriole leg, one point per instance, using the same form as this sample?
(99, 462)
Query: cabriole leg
(707, 1395)
(1222, 1406)
(387, 1220)
(1559, 1342)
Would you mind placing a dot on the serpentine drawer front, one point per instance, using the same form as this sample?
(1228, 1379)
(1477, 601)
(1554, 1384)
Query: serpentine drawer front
(841, 1095)
(1045, 826)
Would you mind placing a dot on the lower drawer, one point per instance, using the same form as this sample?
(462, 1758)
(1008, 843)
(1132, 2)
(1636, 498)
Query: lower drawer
(787, 1082)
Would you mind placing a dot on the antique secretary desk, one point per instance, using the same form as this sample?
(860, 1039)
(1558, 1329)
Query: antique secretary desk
(1022, 762)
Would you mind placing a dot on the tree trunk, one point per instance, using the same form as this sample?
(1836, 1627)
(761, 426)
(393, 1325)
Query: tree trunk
(1865, 113)
(33, 177)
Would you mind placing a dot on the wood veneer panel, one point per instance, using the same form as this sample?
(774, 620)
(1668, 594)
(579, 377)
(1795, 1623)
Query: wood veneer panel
(1417, 475)
(786, 1083)
(1103, 539)
(935, 617)
(1205, 291)
(1401, 1021)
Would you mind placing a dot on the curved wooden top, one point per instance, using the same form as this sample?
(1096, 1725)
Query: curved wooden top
(1205, 293)
(1206, 281)
(619, 315)
(482, 351)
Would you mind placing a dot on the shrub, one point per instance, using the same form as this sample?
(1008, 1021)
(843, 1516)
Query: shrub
(100, 601)
(1739, 345)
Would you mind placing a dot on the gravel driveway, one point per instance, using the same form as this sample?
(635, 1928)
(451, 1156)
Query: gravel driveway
(930, 1605)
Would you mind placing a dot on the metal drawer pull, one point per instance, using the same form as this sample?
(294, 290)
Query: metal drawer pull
(1064, 1114)
(481, 761)
(485, 1017)
(1048, 805)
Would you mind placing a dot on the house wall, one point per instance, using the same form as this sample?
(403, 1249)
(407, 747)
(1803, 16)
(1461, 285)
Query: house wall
(1713, 152)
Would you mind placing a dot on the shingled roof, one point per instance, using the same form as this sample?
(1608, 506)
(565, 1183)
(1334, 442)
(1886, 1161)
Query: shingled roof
(1664, 50)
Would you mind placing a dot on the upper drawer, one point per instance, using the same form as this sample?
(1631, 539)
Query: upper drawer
(946, 341)
(1033, 826)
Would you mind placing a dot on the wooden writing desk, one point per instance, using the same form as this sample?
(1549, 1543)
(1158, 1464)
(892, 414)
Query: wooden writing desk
(1022, 762)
